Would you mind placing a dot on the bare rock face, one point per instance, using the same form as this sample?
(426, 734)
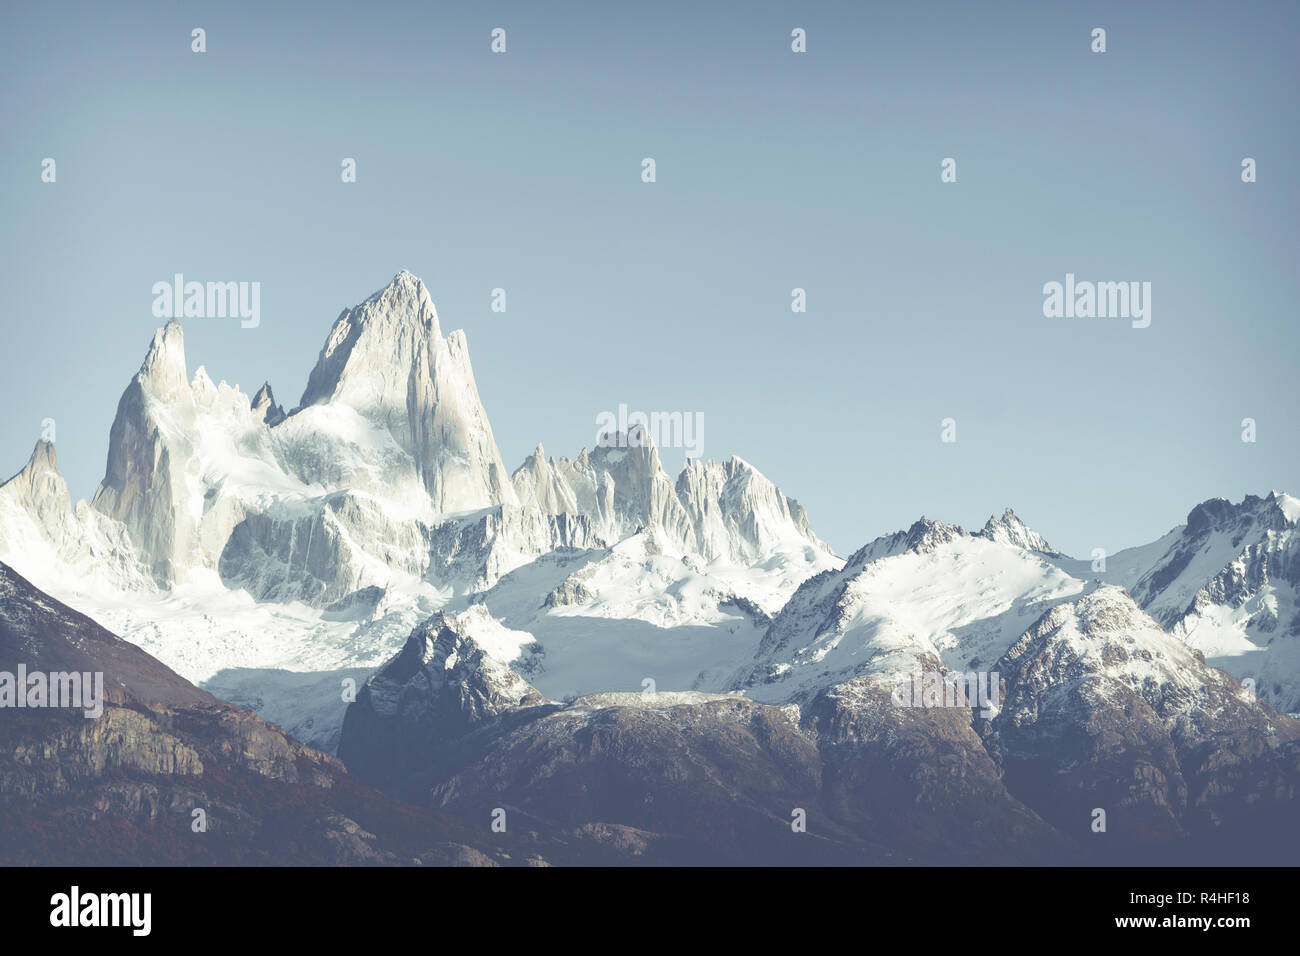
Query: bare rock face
(920, 780)
(441, 687)
(700, 778)
(320, 555)
(387, 359)
(1104, 710)
(264, 409)
(728, 511)
(150, 450)
(39, 489)
(158, 482)
(479, 549)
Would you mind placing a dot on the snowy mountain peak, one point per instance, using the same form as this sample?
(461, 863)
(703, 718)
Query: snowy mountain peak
(202, 382)
(636, 445)
(1107, 610)
(1010, 530)
(1228, 583)
(717, 511)
(1105, 640)
(39, 525)
(371, 346)
(925, 535)
(43, 457)
(1274, 512)
(386, 359)
(449, 678)
(1289, 506)
(39, 487)
(736, 511)
(540, 484)
(162, 374)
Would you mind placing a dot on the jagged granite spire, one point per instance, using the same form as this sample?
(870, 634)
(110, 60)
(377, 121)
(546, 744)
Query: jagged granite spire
(144, 484)
(387, 359)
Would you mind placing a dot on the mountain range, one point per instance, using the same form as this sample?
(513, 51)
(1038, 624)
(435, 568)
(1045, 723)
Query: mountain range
(636, 667)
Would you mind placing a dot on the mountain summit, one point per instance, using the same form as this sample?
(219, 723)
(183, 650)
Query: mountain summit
(388, 360)
(386, 478)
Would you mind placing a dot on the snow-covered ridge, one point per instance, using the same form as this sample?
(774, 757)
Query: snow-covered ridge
(930, 593)
(272, 543)
(271, 555)
(1227, 583)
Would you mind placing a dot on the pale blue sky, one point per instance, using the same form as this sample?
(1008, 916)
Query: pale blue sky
(775, 170)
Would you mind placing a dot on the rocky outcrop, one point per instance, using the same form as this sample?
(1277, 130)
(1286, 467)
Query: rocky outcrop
(479, 549)
(1104, 710)
(442, 686)
(720, 511)
(1010, 530)
(123, 787)
(264, 410)
(738, 514)
(146, 483)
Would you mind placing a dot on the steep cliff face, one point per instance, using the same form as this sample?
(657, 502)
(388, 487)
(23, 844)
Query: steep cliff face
(345, 492)
(186, 462)
(387, 470)
(736, 513)
(544, 486)
(388, 360)
(721, 511)
(148, 482)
